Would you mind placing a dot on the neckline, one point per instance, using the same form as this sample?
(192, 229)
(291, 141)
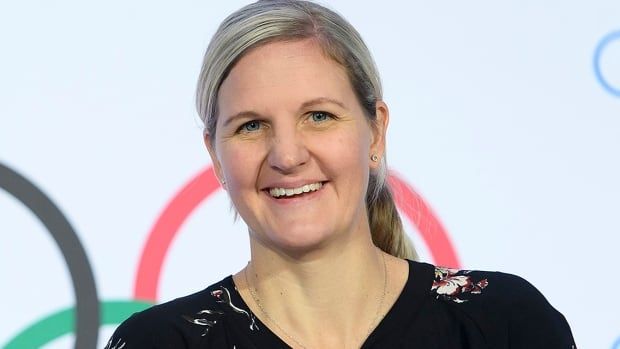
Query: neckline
(403, 311)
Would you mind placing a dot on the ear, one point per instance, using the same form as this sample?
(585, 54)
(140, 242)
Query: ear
(379, 130)
(217, 167)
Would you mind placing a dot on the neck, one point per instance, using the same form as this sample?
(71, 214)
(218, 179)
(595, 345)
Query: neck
(337, 291)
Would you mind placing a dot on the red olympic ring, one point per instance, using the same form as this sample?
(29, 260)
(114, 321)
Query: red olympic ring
(205, 184)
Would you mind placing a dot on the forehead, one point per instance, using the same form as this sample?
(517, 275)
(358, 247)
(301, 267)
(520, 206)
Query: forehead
(287, 73)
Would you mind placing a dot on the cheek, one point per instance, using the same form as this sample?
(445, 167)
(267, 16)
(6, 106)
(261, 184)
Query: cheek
(356, 145)
(348, 153)
(239, 166)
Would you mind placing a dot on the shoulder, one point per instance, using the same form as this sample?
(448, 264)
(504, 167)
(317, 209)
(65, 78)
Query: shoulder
(505, 304)
(180, 323)
(461, 286)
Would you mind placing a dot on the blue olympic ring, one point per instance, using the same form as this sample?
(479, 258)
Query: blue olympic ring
(607, 39)
(616, 344)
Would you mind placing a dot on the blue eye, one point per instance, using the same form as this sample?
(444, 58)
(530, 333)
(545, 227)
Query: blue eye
(320, 116)
(250, 126)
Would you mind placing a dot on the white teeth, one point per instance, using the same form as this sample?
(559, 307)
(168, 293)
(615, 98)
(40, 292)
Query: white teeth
(278, 192)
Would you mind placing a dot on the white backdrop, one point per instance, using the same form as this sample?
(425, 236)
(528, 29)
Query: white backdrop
(499, 121)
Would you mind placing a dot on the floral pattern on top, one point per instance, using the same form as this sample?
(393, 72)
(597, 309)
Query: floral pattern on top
(453, 284)
(112, 344)
(203, 319)
(209, 318)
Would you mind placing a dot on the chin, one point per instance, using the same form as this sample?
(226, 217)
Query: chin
(298, 241)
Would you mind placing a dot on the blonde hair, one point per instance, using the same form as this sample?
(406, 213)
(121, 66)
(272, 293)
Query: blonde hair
(282, 20)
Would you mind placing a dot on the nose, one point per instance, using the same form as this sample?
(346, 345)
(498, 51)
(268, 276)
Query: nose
(287, 151)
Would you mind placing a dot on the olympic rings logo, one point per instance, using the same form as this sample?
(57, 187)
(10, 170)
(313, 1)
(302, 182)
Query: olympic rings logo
(598, 53)
(90, 312)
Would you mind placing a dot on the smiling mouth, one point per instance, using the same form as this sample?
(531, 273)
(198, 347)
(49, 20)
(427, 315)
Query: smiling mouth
(290, 192)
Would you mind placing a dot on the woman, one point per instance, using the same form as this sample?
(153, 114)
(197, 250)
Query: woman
(295, 126)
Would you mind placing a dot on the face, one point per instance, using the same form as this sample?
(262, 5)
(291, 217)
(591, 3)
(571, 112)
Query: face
(294, 145)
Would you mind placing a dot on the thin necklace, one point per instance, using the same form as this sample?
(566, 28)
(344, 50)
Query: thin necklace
(266, 314)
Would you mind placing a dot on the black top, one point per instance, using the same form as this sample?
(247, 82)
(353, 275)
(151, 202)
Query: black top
(438, 308)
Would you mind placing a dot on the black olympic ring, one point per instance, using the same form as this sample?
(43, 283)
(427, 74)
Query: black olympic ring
(86, 299)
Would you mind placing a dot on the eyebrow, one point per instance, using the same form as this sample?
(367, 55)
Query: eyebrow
(243, 114)
(305, 105)
(322, 100)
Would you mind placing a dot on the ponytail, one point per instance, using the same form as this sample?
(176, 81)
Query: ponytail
(385, 224)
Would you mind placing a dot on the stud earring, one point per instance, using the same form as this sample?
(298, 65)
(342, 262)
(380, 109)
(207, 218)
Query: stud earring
(374, 158)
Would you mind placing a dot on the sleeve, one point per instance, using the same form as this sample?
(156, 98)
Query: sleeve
(146, 330)
(534, 323)
(131, 334)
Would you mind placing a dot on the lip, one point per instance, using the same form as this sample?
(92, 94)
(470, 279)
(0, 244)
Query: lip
(297, 198)
(291, 184)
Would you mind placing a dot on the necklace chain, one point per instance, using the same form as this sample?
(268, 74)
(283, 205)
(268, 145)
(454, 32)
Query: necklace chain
(253, 293)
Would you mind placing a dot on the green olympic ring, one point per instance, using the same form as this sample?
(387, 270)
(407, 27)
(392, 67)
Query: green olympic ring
(62, 322)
